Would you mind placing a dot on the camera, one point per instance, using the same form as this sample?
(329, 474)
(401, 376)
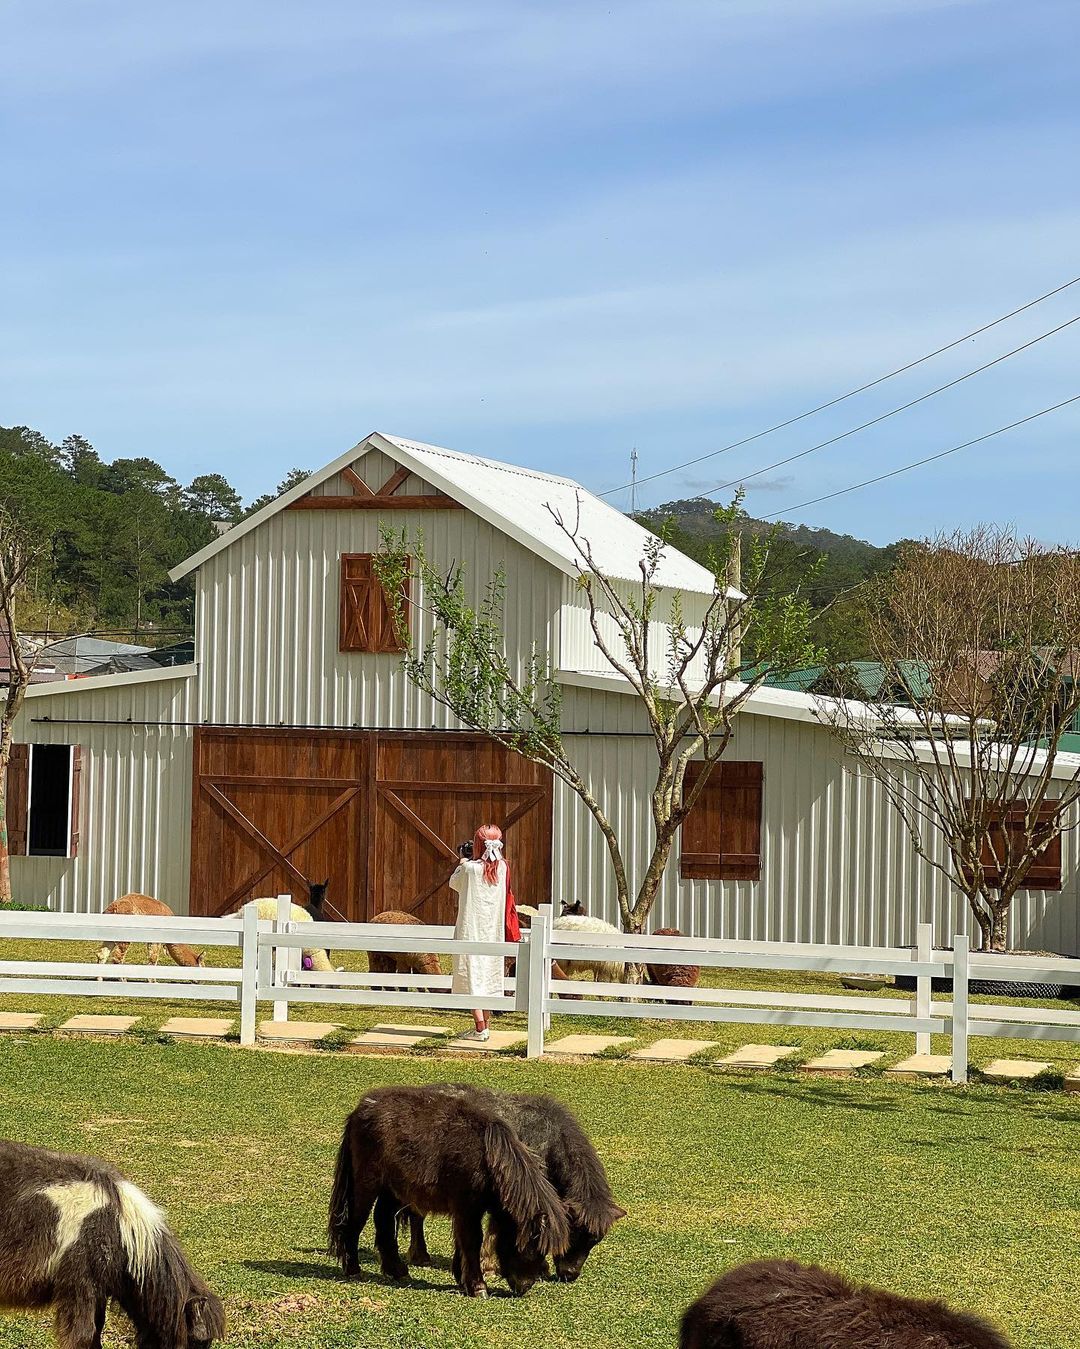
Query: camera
(465, 850)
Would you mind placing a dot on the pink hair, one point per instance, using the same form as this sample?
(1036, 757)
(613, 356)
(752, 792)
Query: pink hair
(485, 834)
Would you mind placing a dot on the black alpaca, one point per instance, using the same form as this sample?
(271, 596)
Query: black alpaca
(777, 1304)
(577, 1174)
(435, 1152)
(316, 900)
(74, 1234)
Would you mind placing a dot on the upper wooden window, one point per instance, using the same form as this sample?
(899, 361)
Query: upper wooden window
(1044, 873)
(365, 619)
(43, 794)
(721, 837)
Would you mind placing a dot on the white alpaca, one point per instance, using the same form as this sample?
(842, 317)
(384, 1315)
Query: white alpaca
(603, 971)
(267, 908)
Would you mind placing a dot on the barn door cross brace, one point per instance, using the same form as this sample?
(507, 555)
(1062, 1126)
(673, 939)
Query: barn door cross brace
(280, 857)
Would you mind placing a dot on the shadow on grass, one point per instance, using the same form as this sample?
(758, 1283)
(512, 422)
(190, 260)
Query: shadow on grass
(303, 1269)
(823, 1093)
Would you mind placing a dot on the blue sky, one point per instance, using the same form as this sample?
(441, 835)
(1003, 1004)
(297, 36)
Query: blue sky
(239, 236)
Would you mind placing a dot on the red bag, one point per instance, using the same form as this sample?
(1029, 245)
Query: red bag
(513, 924)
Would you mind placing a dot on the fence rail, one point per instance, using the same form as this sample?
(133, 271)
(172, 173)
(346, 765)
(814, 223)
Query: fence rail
(271, 970)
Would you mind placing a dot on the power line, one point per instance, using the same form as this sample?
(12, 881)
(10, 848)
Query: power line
(875, 421)
(821, 407)
(942, 454)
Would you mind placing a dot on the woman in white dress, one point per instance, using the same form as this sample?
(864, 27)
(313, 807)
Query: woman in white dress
(483, 886)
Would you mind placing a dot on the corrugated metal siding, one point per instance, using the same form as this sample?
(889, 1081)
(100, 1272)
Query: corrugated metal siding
(577, 645)
(267, 619)
(837, 864)
(135, 808)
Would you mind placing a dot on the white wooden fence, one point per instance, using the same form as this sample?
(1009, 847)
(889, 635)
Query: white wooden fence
(270, 970)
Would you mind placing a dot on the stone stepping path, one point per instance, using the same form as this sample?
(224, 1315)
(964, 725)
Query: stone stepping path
(586, 1045)
(1013, 1070)
(497, 1039)
(757, 1057)
(843, 1060)
(671, 1051)
(294, 1032)
(98, 1025)
(403, 1037)
(922, 1065)
(390, 1036)
(198, 1027)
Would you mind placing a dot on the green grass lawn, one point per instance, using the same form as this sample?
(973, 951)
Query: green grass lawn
(973, 1194)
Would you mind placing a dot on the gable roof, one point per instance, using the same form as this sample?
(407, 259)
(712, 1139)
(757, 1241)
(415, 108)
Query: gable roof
(512, 499)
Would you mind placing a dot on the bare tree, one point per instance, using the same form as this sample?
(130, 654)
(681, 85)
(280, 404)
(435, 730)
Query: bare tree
(977, 634)
(686, 669)
(18, 552)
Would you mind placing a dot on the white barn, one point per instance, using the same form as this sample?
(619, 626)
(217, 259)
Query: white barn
(294, 749)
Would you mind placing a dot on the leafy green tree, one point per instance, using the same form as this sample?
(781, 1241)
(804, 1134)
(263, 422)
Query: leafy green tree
(293, 478)
(80, 460)
(212, 496)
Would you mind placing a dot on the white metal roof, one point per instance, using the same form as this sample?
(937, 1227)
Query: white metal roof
(88, 683)
(514, 500)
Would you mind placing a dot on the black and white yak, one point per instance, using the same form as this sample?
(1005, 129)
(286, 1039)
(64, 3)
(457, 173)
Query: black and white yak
(75, 1235)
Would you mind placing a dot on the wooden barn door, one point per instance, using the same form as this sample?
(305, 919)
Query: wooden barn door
(273, 811)
(431, 793)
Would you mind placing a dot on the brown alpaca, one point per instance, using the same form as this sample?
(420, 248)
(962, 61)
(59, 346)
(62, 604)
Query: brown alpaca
(778, 1304)
(401, 962)
(113, 952)
(673, 976)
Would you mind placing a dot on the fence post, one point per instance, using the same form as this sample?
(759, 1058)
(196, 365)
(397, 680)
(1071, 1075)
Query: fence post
(282, 954)
(248, 973)
(522, 966)
(539, 979)
(923, 953)
(960, 1009)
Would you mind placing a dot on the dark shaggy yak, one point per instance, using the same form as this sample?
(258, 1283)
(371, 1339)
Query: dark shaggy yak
(75, 1234)
(434, 1152)
(577, 1174)
(401, 962)
(777, 1304)
(673, 976)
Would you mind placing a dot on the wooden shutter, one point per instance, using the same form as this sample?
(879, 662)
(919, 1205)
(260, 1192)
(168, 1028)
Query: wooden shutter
(18, 799)
(1045, 872)
(76, 783)
(366, 619)
(721, 837)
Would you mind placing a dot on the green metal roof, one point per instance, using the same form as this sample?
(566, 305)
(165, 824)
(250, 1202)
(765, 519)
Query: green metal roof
(866, 678)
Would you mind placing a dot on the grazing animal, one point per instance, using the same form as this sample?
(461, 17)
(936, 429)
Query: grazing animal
(573, 918)
(778, 1304)
(401, 962)
(74, 1234)
(113, 952)
(436, 1152)
(577, 1174)
(267, 908)
(673, 976)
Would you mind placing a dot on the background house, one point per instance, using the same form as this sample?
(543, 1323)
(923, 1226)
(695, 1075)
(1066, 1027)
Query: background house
(294, 748)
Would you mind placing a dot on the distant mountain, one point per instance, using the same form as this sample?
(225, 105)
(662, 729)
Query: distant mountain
(836, 593)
